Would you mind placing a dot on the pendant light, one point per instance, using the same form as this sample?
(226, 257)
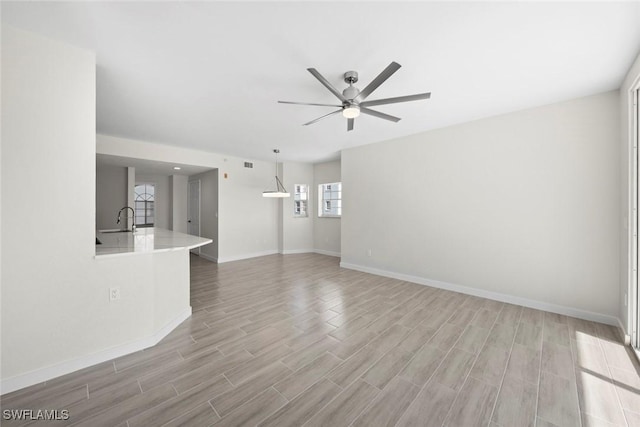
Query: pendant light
(280, 190)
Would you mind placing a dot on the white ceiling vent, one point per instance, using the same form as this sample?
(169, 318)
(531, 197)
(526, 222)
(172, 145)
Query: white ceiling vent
(248, 165)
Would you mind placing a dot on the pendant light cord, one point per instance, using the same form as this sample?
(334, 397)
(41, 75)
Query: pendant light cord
(279, 184)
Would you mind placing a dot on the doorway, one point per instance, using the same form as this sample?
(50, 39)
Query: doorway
(193, 211)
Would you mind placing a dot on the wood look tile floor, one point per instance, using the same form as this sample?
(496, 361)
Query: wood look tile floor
(296, 340)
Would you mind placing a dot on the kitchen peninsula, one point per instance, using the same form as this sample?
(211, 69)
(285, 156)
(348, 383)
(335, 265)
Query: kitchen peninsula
(149, 273)
(144, 241)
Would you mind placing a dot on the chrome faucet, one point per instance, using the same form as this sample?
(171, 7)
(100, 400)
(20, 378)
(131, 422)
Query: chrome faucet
(133, 218)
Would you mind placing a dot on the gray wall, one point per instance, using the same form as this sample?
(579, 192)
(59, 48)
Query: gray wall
(208, 211)
(297, 232)
(524, 205)
(179, 185)
(111, 195)
(326, 231)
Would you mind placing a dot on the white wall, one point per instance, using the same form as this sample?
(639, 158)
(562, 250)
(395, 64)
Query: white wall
(523, 205)
(111, 195)
(279, 203)
(163, 195)
(179, 188)
(326, 231)
(297, 232)
(131, 186)
(626, 148)
(48, 179)
(247, 222)
(55, 315)
(208, 211)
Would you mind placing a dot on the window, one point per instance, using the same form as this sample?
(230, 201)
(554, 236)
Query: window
(330, 199)
(144, 204)
(300, 200)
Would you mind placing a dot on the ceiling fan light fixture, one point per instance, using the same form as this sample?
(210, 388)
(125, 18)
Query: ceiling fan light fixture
(353, 101)
(351, 111)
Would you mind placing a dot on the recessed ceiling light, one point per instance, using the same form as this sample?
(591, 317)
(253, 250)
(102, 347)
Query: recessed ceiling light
(177, 168)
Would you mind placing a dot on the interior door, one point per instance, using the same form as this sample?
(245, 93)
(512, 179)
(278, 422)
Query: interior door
(193, 211)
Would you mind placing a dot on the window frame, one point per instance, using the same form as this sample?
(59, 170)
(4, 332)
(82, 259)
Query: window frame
(322, 201)
(633, 297)
(302, 201)
(146, 205)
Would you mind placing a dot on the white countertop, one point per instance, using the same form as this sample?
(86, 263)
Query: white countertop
(144, 241)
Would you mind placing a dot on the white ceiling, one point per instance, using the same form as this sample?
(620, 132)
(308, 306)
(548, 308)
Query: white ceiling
(207, 75)
(149, 167)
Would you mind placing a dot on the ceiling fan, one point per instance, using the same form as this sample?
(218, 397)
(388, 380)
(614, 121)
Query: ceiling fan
(354, 100)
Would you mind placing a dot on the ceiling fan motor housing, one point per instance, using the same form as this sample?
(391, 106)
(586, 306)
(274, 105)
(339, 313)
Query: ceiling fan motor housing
(351, 77)
(351, 91)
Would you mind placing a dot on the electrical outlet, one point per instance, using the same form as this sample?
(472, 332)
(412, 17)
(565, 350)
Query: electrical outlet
(368, 252)
(114, 294)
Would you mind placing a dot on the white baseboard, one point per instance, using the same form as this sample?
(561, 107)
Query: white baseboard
(272, 252)
(511, 299)
(626, 338)
(246, 256)
(44, 374)
(296, 251)
(208, 257)
(330, 253)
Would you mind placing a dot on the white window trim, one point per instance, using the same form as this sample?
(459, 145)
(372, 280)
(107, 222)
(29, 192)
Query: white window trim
(321, 200)
(155, 187)
(633, 296)
(308, 192)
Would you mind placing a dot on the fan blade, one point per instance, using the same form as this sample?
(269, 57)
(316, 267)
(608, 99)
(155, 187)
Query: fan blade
(382, 77)
(320, 118)
(309, 103)
(350, 124)
(397, 99)
(378, 114)
(326, 84)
